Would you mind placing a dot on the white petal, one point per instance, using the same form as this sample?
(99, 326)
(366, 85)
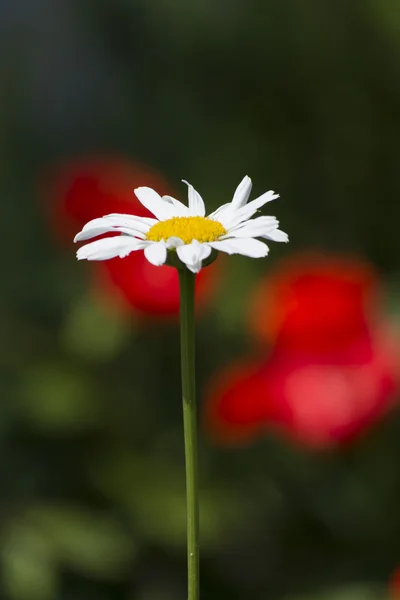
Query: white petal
(174, 242)
(253, 228)
(222, 210)
(276, 235)
(242, 193)
(246, 246)
(162, 209)
(143, 220)
(240, 198)
(120, 245)
(156, 253)
(111, 225)
(247, 211)
(205, 251)
(180, 209)
(196, 204)
(96, 230)
(193, 254)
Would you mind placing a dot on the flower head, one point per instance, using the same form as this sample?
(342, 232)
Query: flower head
(79, 190)
(184, 229)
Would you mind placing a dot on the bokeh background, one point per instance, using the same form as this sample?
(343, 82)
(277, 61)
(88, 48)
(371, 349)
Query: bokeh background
(297, 361)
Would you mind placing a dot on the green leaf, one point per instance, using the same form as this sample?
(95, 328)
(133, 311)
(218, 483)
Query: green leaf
(57, 397)
(92, 543)
(29, 572)
(95, 332)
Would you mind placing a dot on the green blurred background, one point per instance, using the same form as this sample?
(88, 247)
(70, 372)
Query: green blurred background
(303, 96)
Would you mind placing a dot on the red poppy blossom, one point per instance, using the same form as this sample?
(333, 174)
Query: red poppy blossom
(81, 190)
(315, 303)
(318, 402)
(149, 289)
(332, 371)
(237, 408)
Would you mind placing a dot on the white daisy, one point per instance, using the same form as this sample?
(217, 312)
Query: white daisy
(184, 229)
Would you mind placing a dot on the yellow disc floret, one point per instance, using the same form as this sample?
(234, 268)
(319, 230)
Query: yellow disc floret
(187, 229)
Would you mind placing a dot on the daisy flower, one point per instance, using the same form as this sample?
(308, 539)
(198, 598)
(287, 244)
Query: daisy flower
(185, 230)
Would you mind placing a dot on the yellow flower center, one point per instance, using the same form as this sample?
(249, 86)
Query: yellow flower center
(187, 229)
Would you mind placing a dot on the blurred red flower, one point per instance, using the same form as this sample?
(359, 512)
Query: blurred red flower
(319, 402)
(332, 371)
(81, 190)
(315, 303)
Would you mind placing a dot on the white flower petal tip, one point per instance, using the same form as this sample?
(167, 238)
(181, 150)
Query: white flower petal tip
(245, 246)
(106, 248)
(156, 253)
(242, 192)
(192, 255)
(196, 203)
(184, 229)
(161, 208)
(277, 236)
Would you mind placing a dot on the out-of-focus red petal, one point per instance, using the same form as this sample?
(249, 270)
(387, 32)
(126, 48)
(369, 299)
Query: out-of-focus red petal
(149, 289)
(237, 404)
(318, 402)
(323, 404)
(332, 372)
(315, 303)
(79, 190)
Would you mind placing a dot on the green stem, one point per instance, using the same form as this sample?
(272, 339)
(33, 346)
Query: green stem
(187, 282)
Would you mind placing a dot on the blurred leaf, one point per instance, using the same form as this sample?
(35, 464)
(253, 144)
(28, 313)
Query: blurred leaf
(153, 490)
(92, 543)
(94, 332)
(29, 571)
(388, 13)
(56, 397)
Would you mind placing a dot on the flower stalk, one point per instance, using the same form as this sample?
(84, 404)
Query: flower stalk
(187, 284)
